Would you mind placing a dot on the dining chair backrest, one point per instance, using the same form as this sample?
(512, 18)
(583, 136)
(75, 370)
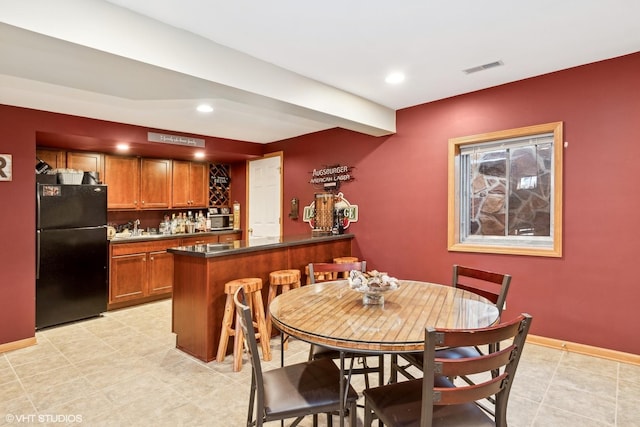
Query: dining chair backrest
(292, 391)
(487, 284)
(245, 319)
(329, 271)
(437, 370)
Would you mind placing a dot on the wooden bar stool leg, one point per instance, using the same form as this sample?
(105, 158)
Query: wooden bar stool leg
(273, 290)
(262, 326)
(226, 331)
(285, 279)
(238, 346)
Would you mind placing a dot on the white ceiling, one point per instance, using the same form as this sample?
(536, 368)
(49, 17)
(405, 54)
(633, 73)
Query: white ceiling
(276, 70)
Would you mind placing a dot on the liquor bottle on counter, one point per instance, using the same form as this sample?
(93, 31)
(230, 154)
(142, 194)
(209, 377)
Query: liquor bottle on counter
(183, 223)
(202, 222)
(208, 222)
(174, 224)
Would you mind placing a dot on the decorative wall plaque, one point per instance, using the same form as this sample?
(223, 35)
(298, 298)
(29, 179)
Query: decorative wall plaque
(6, 167)
(329, 178)
(175, 139)
(344, 212)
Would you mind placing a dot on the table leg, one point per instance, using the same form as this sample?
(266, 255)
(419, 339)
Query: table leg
(281, 349)
(343, 395)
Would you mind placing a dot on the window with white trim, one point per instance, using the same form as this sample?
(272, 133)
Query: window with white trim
(505, 191)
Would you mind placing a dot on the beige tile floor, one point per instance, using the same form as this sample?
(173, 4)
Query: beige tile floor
(123, 370)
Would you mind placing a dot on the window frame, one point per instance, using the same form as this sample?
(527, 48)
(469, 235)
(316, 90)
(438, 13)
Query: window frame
(490, 244)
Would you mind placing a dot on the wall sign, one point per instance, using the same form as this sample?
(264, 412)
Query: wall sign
(222, 180)
(345, 212)
(329, 178)
(175, 139)
(6, 167)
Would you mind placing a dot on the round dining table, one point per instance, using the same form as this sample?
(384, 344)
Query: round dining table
(333, 315)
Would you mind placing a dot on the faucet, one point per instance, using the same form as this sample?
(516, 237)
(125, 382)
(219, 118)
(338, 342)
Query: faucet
(136, 224)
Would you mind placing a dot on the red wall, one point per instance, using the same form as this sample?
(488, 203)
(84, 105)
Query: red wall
(590, 294)
(17, 231)
(587, 296)
(20, 129)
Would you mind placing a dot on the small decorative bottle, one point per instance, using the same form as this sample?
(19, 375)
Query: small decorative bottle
(236, 215)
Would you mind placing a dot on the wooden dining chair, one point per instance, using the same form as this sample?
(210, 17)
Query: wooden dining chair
(490, 285)
(292, 391)
(327, 271)
(434, 401)
(330, 271)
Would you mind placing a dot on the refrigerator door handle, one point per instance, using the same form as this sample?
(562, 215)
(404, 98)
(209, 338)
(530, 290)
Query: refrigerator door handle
(37, 254)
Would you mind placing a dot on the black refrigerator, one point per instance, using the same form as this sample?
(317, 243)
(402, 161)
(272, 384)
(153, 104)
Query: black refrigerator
(72, 279)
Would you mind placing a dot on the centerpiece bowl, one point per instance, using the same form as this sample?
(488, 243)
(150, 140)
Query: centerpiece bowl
(372, 284)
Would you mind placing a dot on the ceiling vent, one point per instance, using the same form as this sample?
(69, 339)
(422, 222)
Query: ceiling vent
(483, 67)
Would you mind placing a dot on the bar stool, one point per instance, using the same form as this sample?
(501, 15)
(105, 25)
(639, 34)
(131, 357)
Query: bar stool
(253, 290)
(345, 260)
(285, 280)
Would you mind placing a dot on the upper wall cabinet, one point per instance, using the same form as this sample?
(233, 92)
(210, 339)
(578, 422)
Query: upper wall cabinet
(155, 183)
(122, 176)
(87, 162)
(190, 184)
(137, 183)
(54, 158)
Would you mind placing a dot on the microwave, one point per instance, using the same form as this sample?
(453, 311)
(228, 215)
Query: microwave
(221, 221)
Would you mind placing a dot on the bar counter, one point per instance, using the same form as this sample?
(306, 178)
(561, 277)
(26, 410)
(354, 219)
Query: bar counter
(256, 245)
(201, 271)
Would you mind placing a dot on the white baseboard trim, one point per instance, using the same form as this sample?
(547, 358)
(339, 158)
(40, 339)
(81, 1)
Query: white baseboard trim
(588, 350)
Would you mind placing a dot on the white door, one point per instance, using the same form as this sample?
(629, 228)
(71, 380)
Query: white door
(265, 197)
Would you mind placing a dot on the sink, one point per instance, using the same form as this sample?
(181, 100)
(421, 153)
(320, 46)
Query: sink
(213, 247)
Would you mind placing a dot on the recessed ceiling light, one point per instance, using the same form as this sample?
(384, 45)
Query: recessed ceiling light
(205, 108)
(395, 78)
(122, 147)
(199, 155)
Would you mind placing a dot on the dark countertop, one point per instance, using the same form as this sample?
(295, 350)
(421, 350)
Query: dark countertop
(155, 237)
(244, 246)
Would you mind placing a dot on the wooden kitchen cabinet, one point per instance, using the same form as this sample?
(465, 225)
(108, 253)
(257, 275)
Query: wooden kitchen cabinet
(86, 162)
(54, 158)
(137, 183)
(140, 272)
(126, 282)
(122, 176)
(226, 238)
(160, 272)
(198, 240)
(155, 183)
(190, 184)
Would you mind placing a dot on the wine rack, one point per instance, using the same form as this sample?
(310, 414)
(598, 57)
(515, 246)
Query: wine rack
(219, 185)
